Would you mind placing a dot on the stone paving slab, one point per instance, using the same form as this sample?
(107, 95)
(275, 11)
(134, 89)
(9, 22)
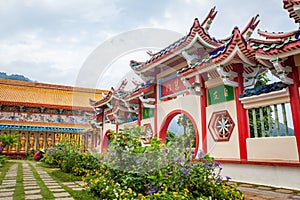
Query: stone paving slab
(6, 198)
(6, 186)
(56, 189)
(7, 190)
(30, 184)
(67, 198)
(32, 191)
(78, 189)
(61, 194)
(53, 186)
(251, 193)
(6, 194)
(34, 197)
(49, 184)
(31, 187)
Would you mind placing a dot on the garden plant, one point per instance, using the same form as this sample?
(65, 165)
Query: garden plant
(129, 169)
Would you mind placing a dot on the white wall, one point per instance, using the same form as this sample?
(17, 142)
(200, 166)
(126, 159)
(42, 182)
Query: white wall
(189, 103)
(272, 148)
(224, 149)
(276, 176)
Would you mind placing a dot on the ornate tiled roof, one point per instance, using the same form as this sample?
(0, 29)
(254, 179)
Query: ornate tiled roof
(262, 89)
(285, 43)
(46, 95)
(196, 29)
(291, 5)
(220, 54)
(42, 126)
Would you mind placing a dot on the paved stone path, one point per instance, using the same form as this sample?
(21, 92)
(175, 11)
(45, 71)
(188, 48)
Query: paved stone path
(30, 184)
(253, 192)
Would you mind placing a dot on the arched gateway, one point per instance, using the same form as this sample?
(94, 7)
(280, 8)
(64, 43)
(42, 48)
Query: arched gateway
(213, 81)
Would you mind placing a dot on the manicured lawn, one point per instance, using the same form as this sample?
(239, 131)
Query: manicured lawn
(59, 176)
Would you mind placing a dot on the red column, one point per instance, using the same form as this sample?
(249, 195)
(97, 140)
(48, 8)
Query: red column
(140, 115)
(242, 114)
(117, 128)
(295, 104)
(155, 111)
(103, 120)
(203, 104)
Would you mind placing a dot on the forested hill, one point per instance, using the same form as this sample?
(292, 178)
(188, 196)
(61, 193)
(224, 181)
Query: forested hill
(18, 77)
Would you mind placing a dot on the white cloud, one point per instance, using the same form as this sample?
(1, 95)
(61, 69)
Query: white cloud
(53, 37)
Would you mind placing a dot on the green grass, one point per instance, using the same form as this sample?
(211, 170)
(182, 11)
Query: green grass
(4, 169)
(45, 192)
(64, 177)
(19, 191)
(61, 176)
(56, 174)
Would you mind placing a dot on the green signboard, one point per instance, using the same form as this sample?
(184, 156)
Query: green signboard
(220, 94)
(148, 112)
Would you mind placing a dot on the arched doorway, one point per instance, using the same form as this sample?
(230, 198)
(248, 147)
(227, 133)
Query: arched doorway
(105, 141)
(179, 126)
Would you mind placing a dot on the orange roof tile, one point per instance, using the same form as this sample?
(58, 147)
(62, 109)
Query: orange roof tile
(29, 93)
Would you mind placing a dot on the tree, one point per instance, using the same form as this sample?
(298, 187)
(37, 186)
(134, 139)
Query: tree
(262, 80)
(189, 136)
(8, 140)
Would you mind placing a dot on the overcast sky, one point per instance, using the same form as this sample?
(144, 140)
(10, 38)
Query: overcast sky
(49, 40)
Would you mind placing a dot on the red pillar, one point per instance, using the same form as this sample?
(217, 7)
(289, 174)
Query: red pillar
(117, 128)
(140, 115)
(155, 111)
(295, 104)
(242, 114)
(203, 104)
(103, 121)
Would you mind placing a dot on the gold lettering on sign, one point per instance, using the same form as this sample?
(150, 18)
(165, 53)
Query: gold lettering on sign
(169, 87)
(225, 92)
(176, 84)
(216, 96)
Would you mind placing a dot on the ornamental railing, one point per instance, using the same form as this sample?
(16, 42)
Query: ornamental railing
(270, 121)
(269, 110)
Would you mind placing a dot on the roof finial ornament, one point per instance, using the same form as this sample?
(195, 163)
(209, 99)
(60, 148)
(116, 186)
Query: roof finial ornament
(248, 30)
(209, 18)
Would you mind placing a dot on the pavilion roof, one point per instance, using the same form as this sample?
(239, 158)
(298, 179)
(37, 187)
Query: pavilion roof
(280, 43)
(42, 126)
(293, 7)
(46, 95)
(235, 47)
(197, 30)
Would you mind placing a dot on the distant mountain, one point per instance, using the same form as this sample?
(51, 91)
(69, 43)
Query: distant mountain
(18, 77)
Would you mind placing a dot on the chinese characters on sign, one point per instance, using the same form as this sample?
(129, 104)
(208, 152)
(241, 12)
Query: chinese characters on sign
(148, 113)
(172, 86)
(220, 94)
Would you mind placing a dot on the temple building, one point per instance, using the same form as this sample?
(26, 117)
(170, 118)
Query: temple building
(45, 114)
(251, 129)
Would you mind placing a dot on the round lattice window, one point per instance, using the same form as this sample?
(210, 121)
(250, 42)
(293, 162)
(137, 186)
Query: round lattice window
(221, 126)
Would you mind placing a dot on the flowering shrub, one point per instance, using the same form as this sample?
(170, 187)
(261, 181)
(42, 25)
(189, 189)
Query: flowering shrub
(130, 170)
(70, 159)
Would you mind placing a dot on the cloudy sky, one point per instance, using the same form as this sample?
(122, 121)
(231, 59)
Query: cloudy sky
(50, 40)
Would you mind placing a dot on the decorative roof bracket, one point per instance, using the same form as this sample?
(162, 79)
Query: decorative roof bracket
(192, 87)
(281, 71)
(147, 102)
(251, 78)
(190, 58)
(226, 76)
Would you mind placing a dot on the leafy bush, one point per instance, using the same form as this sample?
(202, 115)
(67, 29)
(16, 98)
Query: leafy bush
(70, 159)
(2, 160)
(8, 140)
(157, 171)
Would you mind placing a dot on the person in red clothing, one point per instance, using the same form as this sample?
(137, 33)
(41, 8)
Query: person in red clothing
(39, 155)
